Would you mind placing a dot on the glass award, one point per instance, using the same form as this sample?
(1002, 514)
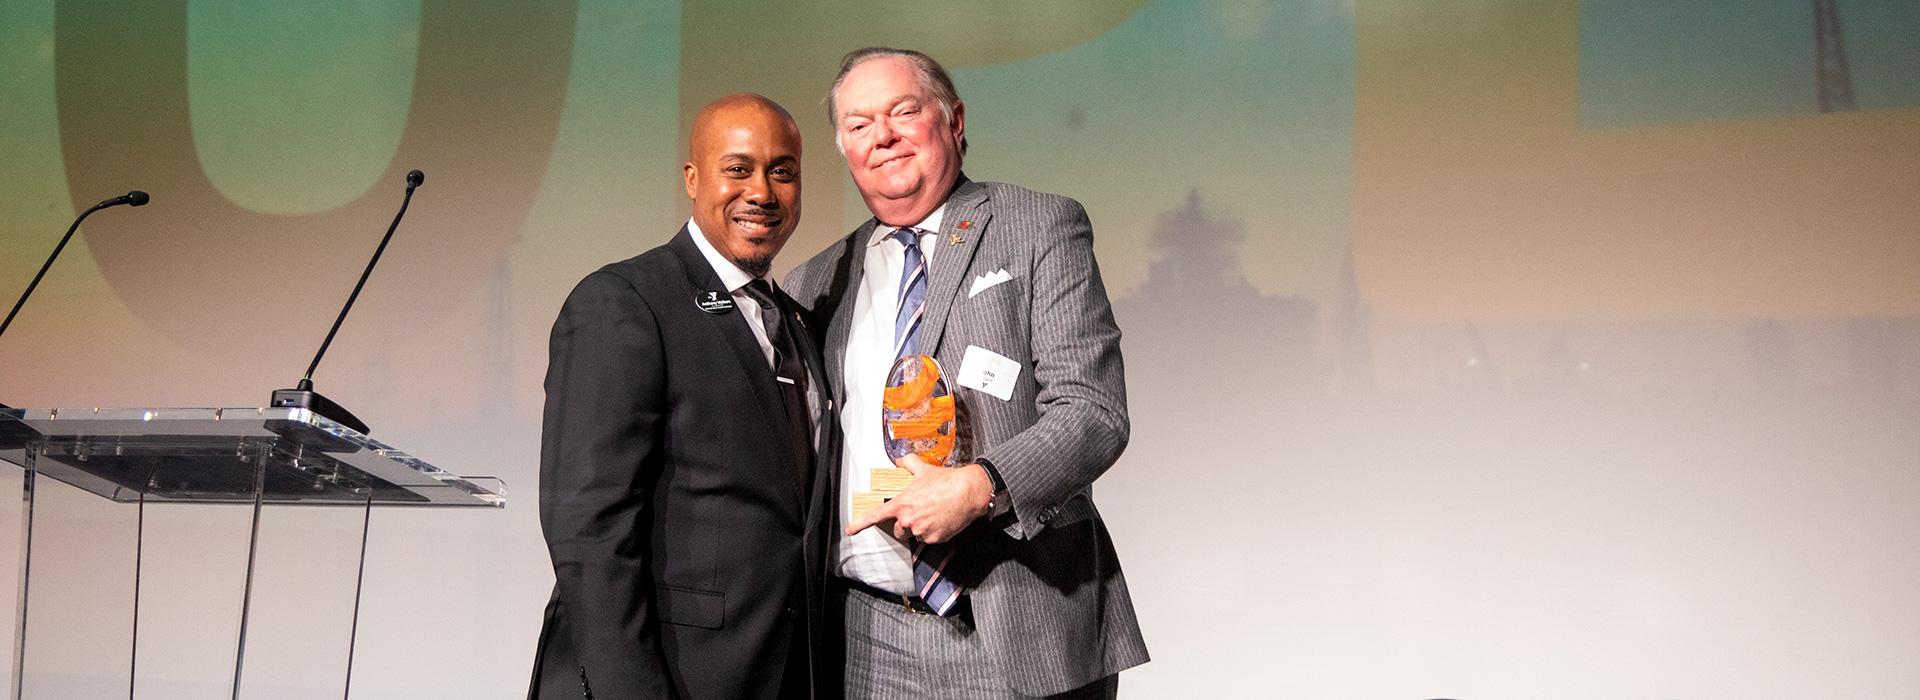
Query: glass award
(916, 411)
(916, 418)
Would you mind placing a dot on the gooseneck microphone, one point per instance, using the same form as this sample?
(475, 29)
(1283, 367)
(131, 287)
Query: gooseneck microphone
(303, 395)
(135, 198)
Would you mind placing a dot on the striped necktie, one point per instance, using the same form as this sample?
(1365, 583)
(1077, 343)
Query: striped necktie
(929, 560)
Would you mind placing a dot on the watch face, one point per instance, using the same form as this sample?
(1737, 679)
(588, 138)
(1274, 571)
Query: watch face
(916, 412)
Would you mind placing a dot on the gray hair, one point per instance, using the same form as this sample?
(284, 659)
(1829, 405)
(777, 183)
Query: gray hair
(934, 81)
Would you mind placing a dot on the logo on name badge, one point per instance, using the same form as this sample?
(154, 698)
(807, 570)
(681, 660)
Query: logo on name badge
(713, 302)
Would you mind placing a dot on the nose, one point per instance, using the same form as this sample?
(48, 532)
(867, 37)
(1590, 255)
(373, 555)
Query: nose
(883, 134)
(760, 192)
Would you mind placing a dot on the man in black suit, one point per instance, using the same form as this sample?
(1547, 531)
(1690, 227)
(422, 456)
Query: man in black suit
(679, 494)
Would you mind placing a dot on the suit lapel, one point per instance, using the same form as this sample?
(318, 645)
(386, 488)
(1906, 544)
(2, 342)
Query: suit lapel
(809, 351)
(732, 328)
(819, 500)
(854, 258)
(816, 368)
(951, 262)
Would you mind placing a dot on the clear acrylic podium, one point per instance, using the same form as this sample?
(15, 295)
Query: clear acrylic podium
(200, 552)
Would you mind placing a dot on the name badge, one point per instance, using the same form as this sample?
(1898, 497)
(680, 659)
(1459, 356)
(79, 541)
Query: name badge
(989, 372)
(714, 302)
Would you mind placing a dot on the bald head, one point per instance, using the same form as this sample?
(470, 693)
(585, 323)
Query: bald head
(743, 174)
(733, 108)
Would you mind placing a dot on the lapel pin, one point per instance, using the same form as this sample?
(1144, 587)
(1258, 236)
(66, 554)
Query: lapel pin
(955, 239)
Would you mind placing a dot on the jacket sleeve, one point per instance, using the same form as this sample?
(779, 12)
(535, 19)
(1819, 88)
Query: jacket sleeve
(599, 459)
(1081, 383)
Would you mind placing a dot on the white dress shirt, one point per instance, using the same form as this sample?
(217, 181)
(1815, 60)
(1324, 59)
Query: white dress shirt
(873, 556)
(736, 281)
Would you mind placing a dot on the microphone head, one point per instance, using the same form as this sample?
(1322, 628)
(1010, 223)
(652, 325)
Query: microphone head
(137, 198)
(414, 178)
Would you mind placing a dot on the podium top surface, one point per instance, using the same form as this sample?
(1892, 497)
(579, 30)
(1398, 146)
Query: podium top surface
(228, 455)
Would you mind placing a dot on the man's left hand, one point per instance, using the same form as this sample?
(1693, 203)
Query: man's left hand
(939, 503)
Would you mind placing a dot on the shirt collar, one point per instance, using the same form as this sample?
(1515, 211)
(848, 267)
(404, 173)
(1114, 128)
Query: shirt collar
(730, 274)
(931, 224)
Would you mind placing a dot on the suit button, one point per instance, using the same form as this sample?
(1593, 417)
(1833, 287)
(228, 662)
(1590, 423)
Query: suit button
(791, 612)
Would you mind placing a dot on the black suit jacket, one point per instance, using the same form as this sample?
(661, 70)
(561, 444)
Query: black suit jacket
(683, 553)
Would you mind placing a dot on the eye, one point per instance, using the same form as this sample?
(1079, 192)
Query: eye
(785, 173)
(735, 169)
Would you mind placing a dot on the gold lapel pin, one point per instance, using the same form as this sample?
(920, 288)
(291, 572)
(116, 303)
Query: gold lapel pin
(956, 238)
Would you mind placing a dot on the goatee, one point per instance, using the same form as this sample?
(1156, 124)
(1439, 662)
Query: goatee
(756, 265)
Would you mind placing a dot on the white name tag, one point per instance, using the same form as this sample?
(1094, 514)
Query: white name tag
(988, 371)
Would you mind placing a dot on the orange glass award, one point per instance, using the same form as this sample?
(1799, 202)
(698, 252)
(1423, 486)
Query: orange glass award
(916, 412)
(916, 417)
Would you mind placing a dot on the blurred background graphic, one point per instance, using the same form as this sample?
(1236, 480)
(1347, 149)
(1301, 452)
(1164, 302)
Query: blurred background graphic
(1476, 349)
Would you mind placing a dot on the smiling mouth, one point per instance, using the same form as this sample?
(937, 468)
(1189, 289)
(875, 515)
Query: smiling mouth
(757, 224)
(891, 161)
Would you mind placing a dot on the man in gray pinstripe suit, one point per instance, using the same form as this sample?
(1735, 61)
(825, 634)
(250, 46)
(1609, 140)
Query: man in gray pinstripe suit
(999, 284)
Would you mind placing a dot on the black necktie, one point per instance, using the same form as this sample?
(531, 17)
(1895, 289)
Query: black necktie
(791, 376)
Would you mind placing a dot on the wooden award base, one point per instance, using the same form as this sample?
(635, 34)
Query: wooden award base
(882, 485)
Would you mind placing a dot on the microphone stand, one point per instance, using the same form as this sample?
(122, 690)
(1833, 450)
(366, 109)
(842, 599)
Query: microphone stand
(303, 395)
(135, 198)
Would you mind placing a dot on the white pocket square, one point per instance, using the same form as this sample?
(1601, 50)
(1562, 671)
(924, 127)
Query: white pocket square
(983, 282)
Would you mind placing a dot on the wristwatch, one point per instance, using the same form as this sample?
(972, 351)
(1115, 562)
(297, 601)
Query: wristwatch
(1002, 501)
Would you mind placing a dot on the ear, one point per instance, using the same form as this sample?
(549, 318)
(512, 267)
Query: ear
(959, 121)
(693, 178)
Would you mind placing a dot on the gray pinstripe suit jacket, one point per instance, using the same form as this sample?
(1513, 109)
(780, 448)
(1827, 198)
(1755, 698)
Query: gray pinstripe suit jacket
(1048, 597)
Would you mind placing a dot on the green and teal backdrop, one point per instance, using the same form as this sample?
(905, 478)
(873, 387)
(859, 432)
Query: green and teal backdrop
(1478, 349)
